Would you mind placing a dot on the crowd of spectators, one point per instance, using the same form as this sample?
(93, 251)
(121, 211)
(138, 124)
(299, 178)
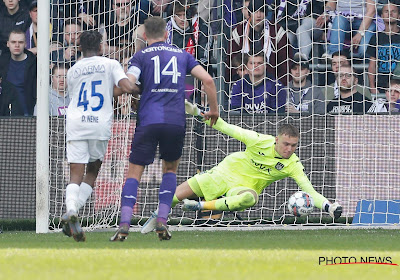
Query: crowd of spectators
(267, 52)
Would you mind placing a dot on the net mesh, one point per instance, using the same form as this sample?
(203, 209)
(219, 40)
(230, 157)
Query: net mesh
(221, 36)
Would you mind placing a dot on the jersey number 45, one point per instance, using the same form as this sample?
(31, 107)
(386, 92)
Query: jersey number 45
(82, 99)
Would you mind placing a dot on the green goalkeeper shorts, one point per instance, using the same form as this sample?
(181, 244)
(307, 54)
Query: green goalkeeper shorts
(209, 186)
(212, 186)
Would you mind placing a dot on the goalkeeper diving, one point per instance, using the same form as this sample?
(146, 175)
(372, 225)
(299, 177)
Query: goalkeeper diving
(242, 176)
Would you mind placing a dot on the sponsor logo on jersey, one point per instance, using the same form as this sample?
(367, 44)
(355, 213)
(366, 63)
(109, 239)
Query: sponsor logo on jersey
(279, 166)
(62, 110)
(342, 109)
(259, 165)
(88, 70)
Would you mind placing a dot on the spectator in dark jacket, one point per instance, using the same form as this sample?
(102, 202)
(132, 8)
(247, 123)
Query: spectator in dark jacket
(9, 103)
(258, 34)
(89, 13)
(12, 16)
(18, 67)
(69, 52)
(188, 31)
(299, 18)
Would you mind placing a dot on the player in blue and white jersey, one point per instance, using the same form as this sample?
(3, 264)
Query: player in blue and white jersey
(160, 69)
(91, 83)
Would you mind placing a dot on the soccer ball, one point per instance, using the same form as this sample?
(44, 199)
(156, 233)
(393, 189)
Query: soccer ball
(300, 204)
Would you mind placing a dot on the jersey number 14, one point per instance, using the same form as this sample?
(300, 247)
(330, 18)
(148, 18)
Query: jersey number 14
(172, 63)
(82, 99)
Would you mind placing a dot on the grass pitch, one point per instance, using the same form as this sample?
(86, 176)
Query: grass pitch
(270, 254)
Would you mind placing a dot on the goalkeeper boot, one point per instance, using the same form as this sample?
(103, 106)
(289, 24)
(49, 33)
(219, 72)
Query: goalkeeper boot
(191, 205)
(151, 223)
(65, 225)
(75, 226)
(162, 231)
(121, 234)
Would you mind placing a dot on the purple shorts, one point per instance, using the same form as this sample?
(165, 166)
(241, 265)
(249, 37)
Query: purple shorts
(169, 137)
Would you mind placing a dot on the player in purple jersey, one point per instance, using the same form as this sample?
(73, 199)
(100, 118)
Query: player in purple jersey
(160, 69)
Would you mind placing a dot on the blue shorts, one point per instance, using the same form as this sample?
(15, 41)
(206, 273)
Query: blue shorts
(169, 137)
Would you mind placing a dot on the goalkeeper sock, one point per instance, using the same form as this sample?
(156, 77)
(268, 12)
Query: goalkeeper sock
(231, 203)
(175, 201)
(85, 191)
(167, 191)
(128, 200)
(71, 197)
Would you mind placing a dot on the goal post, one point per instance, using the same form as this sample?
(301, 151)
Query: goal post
(42, 131)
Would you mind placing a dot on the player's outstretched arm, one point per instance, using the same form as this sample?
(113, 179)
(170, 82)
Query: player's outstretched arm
(211, 91)
(321, 202)
(243, 135)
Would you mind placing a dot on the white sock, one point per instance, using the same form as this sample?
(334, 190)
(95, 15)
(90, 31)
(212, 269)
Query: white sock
(71, 197)
(84, 192)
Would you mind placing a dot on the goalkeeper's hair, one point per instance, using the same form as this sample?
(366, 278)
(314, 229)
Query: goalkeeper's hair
(90, 41)
(154, 27)
(289, 130)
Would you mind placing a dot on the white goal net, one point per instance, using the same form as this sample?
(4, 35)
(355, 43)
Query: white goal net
(348, 156)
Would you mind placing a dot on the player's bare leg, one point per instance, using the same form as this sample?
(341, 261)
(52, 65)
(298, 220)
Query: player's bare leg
(182, 192)
(92, 171)
(86, 187)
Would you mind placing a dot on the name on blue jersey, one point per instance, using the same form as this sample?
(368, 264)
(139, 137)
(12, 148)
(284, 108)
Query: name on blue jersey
(90, 119)
(162, 48)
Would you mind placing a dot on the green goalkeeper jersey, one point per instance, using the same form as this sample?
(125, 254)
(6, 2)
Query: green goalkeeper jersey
(260, 165)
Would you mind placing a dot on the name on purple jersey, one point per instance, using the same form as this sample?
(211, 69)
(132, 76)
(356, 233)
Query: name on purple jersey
(164, 90)
(162, 48)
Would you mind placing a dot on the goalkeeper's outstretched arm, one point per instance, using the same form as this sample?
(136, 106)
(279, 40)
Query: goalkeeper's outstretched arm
(334, 209)
(209, 87)
(244, 135)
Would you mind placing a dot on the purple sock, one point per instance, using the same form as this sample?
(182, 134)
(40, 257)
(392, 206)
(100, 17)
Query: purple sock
(167, 191)
(128, 200)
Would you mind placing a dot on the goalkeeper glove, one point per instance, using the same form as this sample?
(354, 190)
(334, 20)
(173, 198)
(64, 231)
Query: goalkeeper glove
(335, 210)
(192, 109)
